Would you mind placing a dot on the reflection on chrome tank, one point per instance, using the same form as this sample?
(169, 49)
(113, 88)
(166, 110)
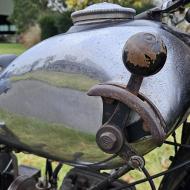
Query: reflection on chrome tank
(48, 98)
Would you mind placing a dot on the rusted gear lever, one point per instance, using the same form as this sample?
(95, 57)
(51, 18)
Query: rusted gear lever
(144, 54)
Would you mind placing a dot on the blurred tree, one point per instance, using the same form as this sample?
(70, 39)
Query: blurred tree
(26, 13)
(53, 16)
(53, 23)
(140, 5)
(63, 22)
(57, 5)
(48, 26)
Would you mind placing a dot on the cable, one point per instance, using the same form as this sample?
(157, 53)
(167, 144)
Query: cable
(55, 175)
(148, 177)
(175, 141)
(101, 162)
(56, 171)
(103, 184)
(154, 176)
(151, 182)
(48, 172)
(7, 167)
(177, 144)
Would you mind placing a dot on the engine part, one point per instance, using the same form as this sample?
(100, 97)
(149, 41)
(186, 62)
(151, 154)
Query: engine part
(84, 179)
(8, 168)
(43, 184)
(136, 162)
(29, 171)
(23, 183)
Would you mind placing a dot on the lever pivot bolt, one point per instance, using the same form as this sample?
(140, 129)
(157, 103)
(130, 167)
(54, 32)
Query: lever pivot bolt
(109, 139)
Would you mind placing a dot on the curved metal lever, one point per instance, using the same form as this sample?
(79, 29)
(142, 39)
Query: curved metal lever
(134, 103)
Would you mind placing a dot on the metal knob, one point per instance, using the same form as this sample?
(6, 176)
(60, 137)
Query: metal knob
(144, 54)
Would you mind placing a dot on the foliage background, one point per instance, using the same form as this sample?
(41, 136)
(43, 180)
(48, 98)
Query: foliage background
(53, 16)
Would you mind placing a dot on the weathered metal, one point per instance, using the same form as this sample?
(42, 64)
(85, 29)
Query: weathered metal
(137, 162)
(102, 12)
(46, 105)
(135, 83)
(22, 183)
(110, 139)
(144, 54)
(151, 120)
(131, 53)
(83, 179)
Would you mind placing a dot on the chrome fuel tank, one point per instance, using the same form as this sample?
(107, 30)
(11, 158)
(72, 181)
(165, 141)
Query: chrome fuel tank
(46, 108)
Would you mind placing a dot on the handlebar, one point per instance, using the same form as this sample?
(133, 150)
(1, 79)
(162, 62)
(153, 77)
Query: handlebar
(156, 13)
(174, 4)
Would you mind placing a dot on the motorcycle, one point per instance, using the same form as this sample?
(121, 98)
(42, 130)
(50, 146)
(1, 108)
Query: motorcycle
(98, 97)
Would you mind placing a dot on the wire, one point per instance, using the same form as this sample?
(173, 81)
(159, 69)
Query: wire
(154, 176)
(103, 184)
(7, 167)
(56, 171)
(101, 162)
(55, 175)
(177, 144)
(175, 141)
(48, 171)
(151, 182)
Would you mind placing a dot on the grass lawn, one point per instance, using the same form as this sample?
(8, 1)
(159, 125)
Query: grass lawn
(156, 161)
(11, 48)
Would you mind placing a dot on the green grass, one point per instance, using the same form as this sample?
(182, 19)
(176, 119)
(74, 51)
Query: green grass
(156, 161)
(6, 48)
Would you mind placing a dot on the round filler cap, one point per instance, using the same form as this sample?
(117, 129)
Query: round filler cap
(101, 12)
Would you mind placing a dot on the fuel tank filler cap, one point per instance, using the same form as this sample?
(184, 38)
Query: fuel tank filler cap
(102, 12)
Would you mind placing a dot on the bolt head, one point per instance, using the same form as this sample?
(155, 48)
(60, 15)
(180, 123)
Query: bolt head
(108, 140)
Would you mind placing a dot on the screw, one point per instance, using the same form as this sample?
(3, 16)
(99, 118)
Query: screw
(136, 162)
